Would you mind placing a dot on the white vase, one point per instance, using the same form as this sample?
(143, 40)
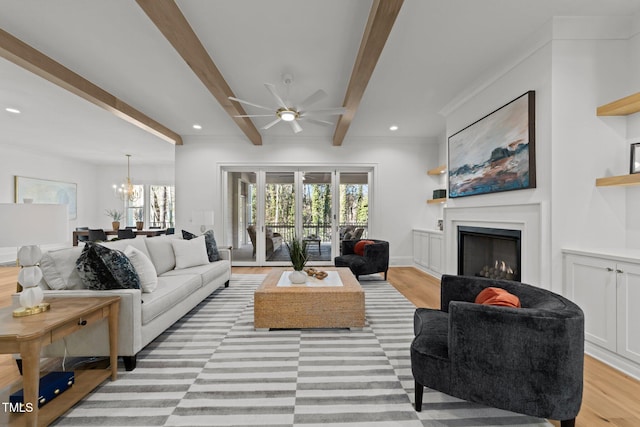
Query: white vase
(298, 277)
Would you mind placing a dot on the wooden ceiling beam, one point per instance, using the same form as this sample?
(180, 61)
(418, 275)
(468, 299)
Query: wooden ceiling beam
(38, 63)
(166, 15)
(381, 19)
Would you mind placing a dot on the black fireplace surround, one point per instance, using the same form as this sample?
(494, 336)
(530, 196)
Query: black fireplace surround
(489, 252)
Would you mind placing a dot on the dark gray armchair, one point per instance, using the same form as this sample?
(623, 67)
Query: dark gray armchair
(374, 260)
(527, 360)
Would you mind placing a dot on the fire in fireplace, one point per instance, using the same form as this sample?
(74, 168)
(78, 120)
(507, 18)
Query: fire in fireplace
(489, 252)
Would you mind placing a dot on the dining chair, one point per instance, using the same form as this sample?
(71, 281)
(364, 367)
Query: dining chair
(82, 238)
(97, 235)
(126, 233)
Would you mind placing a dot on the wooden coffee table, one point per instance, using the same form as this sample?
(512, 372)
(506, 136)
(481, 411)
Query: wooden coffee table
(301, 306)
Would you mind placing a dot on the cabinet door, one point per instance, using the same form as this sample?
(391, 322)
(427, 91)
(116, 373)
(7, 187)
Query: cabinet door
(628, 311)
(417, 248)
(435, 252)
(591, 283)
(424, 249)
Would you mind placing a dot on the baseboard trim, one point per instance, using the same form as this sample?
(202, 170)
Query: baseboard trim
(616, 361)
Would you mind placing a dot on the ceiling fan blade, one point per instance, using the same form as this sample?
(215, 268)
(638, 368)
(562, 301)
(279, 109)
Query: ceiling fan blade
(255, 115)
(312, 99)
(242, 101)
(325, 111)
(272, 89)
(268, 125)
(296, 126)
(316, 121)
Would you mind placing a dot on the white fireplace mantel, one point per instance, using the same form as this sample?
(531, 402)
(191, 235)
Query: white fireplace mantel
(527, 218)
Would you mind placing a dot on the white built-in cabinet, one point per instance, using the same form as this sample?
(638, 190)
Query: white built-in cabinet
(428, 250)
(606, 285)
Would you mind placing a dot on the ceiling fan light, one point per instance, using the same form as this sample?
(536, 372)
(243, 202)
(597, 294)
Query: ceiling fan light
(288, 116)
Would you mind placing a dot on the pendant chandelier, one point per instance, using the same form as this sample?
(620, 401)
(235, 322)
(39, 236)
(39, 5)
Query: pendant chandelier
(127, 191)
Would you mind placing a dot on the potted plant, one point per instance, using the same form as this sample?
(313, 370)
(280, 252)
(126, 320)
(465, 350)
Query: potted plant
(299, 257)
(116, 216)
(139, 216)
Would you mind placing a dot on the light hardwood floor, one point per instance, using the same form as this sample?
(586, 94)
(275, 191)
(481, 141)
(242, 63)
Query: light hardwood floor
(611, 399)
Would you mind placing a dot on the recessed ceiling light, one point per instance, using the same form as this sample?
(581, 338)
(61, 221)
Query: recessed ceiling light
(12, 110)
(393, 127)
(198, 127)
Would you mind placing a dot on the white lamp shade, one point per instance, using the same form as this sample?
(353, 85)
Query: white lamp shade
(33, 224)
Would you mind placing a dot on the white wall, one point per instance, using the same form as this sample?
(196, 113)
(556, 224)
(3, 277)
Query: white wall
(401, 186)
(633, 136)
(529, 69)
(590, 68)
(576, 65)
(93, 184)
(35, 165)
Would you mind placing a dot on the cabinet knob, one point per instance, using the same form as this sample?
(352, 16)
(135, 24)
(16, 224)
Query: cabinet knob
(619, 271)
(609, 269)
(82, 322)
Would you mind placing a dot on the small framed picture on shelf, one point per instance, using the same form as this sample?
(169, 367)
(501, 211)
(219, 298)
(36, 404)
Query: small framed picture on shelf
(635, 158)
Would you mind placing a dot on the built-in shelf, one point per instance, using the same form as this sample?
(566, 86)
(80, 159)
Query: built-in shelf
(432, 201)
(437, 171)
(621, 107)
(631, 179)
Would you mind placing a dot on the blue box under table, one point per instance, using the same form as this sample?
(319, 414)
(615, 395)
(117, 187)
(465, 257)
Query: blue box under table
(51, 385)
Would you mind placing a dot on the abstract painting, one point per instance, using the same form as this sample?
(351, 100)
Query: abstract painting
(46, 191)
(495, 153)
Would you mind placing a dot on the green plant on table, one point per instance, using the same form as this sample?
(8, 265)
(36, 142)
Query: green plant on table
(115, 215)
(298, 253)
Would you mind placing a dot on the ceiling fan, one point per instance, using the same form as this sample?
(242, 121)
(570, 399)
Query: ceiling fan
(285, 112)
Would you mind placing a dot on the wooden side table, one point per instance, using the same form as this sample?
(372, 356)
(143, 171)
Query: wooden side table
(27, 335)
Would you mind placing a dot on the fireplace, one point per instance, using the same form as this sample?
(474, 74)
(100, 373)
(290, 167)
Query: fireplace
(489, 252)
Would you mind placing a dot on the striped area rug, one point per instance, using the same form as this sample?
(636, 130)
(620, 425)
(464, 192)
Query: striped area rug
(213, 369)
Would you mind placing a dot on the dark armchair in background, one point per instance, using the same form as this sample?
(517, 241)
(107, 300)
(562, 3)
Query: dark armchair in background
(374, 259)
(527, 360)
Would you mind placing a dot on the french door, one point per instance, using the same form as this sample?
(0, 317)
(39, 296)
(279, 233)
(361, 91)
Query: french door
(268, 208)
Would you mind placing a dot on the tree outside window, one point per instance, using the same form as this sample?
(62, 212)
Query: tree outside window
(162, 206)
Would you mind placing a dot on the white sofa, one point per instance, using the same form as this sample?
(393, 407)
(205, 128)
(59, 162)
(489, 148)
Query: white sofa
(143, 316)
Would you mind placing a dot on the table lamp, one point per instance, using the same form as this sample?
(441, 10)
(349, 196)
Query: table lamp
(26, 226)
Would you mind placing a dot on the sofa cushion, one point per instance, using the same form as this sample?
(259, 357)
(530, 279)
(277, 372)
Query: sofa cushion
(121, 245)
(161, 253)
(102, 268)
(144, 267)
(190, 253)
(212, 246)
(59, 269)
(171, 291)
(207, 272)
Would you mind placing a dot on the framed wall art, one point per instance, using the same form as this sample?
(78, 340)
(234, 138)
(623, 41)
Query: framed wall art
(34, 190)
(495, 153)
(635, 158)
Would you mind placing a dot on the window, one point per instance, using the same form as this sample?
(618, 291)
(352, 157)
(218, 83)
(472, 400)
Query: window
(135, 209)
(162, 206)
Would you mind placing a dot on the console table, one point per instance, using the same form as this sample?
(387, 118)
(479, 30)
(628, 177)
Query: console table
(26, 335)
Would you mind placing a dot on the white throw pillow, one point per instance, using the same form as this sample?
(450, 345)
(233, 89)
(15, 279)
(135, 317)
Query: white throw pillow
(144, 267)
(190, 253)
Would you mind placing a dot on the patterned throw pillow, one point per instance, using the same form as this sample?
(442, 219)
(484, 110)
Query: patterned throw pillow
(102, 268)
(210, 242)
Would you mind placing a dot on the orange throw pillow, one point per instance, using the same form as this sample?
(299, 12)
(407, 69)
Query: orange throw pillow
(497, 296)
(358, 249)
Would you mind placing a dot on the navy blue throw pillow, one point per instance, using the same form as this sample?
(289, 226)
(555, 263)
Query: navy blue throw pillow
(210, 242)
(102, 268)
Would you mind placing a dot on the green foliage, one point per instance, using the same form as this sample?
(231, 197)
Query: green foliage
(114, 214)
(298, 253)
(138, 214)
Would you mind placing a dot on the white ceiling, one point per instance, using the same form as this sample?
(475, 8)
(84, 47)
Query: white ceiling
(436, 49)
